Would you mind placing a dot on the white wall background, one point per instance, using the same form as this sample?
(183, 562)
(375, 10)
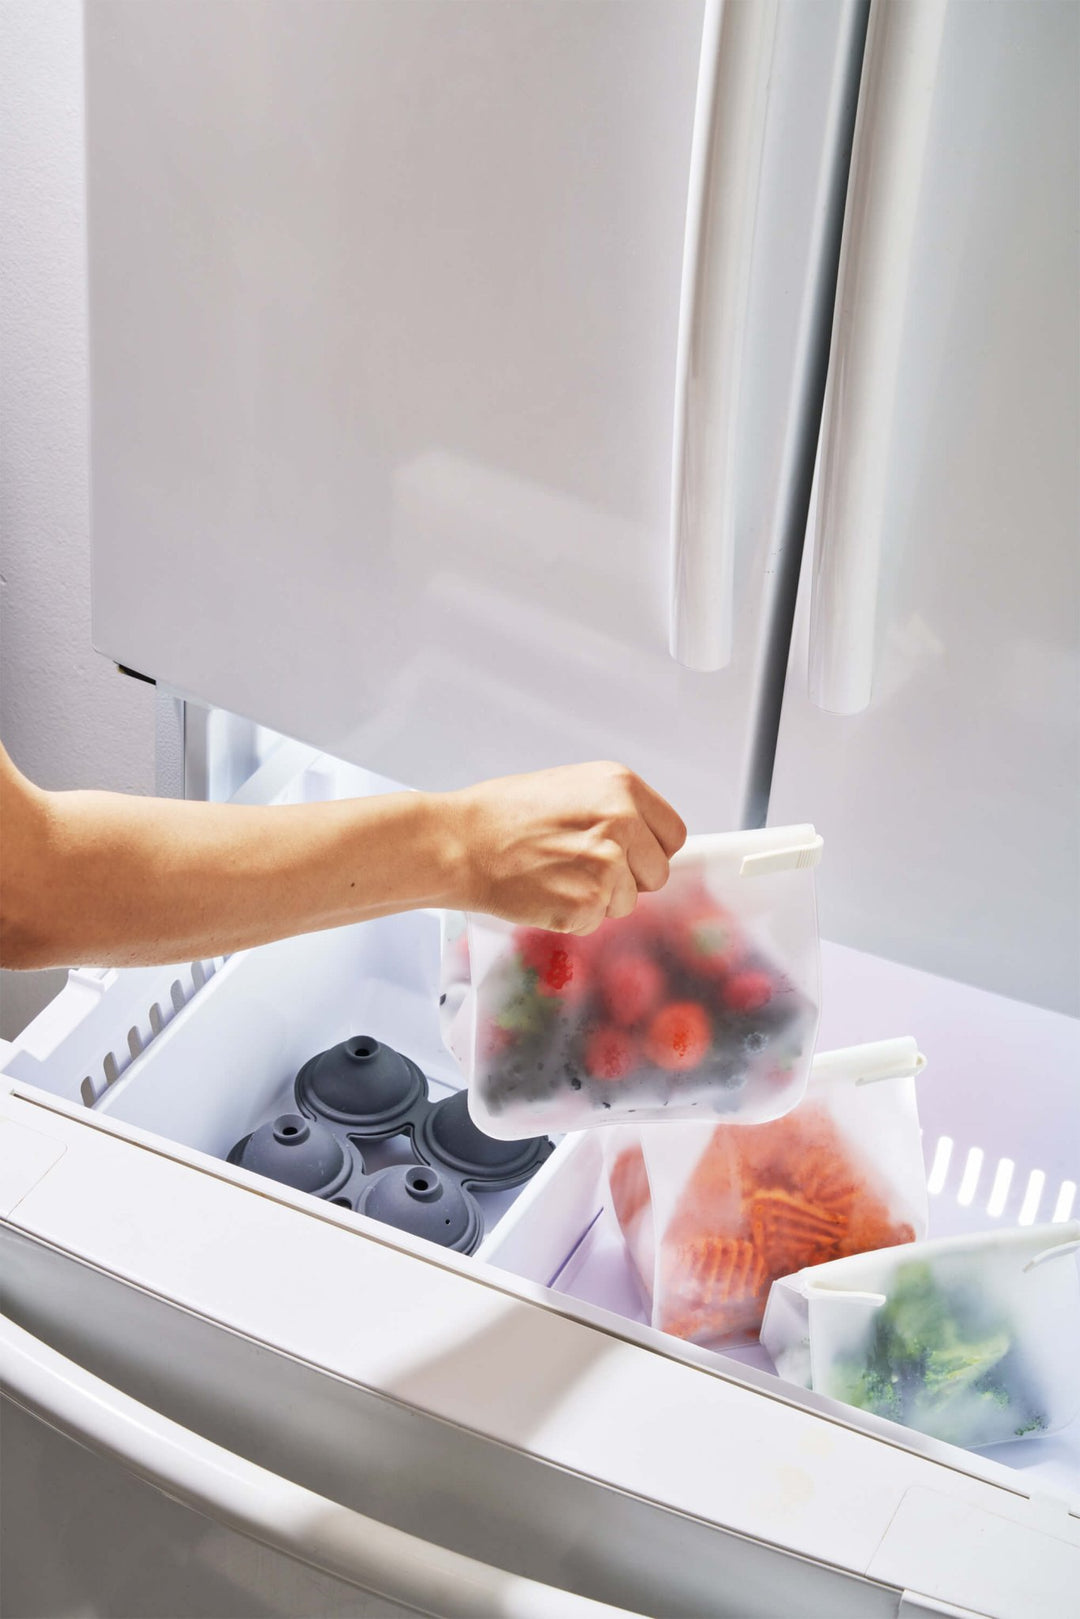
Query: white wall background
(67, 717)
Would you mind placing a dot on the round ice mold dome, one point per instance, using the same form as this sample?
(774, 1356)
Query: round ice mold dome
(363, 1083)
(417, 1199)
(448, 1136)
(298, 1152)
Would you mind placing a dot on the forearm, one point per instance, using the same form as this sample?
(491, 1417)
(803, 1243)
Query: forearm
(123, 881)
(106, 879)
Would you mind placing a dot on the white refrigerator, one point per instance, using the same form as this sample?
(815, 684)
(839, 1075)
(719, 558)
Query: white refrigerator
(477, 386)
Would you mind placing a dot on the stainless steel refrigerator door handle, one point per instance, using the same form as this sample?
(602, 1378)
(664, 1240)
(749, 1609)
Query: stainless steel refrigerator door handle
(725, 165)
(891, 132)
(228, 1489)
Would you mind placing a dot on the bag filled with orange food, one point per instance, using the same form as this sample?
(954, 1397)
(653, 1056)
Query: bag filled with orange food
(712, 1214)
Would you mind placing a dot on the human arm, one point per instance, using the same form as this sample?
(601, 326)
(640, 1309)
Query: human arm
(124, 881)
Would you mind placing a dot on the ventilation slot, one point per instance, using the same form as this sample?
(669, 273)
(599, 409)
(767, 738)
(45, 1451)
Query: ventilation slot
(939, 1169)
(1065, 1199)
(1029, 1208)
(999, 1192)
(138, 1039)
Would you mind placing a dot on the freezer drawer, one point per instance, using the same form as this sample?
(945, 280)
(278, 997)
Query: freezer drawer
(512, 1408)
(433, 1394)
(510, 1421)
(128, 1551)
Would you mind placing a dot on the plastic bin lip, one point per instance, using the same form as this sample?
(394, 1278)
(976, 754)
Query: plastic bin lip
(1039, 1243)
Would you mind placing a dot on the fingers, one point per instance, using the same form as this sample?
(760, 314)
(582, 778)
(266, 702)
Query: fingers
(667, 827)
(647, 861)
(624, 893)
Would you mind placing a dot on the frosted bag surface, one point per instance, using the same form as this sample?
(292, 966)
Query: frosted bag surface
(703, 1003)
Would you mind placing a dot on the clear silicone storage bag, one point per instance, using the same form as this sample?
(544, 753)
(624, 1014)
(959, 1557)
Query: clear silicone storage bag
(972, 1339)
(701, 1004)
(712, 1214)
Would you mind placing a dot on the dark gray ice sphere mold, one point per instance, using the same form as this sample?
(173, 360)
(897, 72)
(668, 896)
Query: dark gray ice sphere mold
(361, 1090)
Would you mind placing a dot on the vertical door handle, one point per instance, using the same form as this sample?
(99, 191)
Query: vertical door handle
(900, 65)
(725, 164)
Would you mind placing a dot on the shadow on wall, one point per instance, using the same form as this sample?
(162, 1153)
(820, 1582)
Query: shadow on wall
(22, 996)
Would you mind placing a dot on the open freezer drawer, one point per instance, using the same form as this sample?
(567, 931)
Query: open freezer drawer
(498, 1406)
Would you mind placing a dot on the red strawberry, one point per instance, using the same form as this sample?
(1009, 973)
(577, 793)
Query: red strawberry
(705, 938)
(631, 932)
(679, 1036)
(558, 961)
(631, 985)
(747, 991)
(609, 1053)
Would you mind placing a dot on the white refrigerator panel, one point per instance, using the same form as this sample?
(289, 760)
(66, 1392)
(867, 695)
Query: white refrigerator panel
(384, 314)
(945, 595)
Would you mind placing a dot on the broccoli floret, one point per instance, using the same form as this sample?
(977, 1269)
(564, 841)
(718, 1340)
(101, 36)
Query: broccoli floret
(1034, 1424)
(955, 1367)
(524, 1012)
(995, 1392)
(932, 1364)
(869, 1389)
(916, 1316)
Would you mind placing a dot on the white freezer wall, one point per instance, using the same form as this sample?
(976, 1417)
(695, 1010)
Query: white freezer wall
(950, 806)
(384, 307)
(67, 717)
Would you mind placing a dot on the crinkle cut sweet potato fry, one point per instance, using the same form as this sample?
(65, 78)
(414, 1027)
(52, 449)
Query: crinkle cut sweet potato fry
(790, 1232)
(716, 1286)
(629, 1182)
(763, 1201)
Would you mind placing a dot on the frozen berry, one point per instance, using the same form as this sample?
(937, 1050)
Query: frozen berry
(495, 1041)
(747, 991)
(609, 1053)
(558, 961)
(631, 986)
(705, 939)
(679, 1037)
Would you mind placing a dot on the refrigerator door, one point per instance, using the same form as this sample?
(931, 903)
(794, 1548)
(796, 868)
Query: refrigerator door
(931, 721)
(385, 311)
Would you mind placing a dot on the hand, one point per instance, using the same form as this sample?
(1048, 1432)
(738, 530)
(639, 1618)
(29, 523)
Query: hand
(565, 848)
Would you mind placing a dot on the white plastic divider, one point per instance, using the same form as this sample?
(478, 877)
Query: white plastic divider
(232, 1491)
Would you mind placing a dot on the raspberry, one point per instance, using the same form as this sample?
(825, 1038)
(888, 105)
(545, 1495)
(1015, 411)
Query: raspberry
(630, 986)
(679, 1037)
(558, 961)
(609, 1053)
(747, 991)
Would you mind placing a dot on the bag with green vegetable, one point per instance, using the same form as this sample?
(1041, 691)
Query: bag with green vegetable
(972, 1339)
